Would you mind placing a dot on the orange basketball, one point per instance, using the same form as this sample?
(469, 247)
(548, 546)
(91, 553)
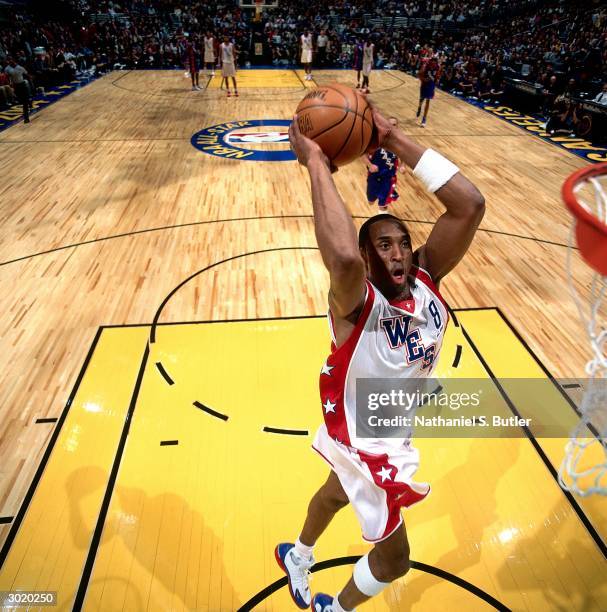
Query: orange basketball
(339, 119)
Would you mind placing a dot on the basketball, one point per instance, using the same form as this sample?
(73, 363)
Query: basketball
(339, 119)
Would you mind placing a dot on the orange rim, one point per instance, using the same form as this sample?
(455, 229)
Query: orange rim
(571, 199)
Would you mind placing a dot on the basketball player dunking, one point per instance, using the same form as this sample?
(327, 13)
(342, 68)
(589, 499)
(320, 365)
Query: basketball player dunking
(305, 41)
(209, 53)
(429, 75)
(227, 53)
(375, 280)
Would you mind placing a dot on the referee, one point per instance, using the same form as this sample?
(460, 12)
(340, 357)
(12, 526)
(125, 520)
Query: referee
(17, 74)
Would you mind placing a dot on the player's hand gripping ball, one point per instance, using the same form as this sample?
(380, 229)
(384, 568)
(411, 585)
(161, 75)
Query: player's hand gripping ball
(339, 119)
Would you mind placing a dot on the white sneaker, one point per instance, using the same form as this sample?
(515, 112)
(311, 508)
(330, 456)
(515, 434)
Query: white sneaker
(297, 570)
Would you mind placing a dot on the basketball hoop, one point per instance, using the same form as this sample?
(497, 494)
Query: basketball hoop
(585, 194)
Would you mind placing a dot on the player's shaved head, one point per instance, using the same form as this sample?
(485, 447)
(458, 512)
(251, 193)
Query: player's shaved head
(364, 233)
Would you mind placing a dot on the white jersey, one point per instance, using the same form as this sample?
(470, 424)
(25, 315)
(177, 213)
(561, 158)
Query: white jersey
(227, 53)
(368, 58)
(390, 340)
(209, 49)
(306, 42)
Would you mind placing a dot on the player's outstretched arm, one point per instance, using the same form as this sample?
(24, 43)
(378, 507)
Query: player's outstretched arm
(465, 206)
(335, 231)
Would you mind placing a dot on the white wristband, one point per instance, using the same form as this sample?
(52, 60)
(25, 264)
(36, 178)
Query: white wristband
(434, 170)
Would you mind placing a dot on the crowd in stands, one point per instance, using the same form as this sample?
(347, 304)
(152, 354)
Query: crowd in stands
(558, 44)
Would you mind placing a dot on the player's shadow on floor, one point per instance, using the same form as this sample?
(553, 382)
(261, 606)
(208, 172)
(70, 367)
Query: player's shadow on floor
(470, 535)
(554, 548)
(146, 527)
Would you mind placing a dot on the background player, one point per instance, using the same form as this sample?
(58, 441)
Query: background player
(368, 63)
(306, 44)
(382, 166)
(192, 63)
(227, 55)
(209, 53)
(429, 74)
(375, 280)
(357, 63)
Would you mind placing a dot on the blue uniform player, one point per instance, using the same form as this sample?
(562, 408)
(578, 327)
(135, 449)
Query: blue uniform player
(429, 75)
(381, 177)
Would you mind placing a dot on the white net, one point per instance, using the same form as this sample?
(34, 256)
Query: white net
(584, 468)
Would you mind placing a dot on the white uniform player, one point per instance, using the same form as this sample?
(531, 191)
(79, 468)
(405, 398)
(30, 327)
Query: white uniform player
(388, 321)
(228, 65)
(209, 54)
(368, 51)
(228, 68)
(368, 61)
(306, 53)
(390, 340)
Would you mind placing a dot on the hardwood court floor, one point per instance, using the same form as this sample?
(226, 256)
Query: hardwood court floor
(107, 207)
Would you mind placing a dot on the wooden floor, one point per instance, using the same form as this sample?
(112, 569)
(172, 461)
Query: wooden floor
(106, 207)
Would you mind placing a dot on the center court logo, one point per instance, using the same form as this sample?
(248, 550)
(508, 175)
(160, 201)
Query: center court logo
(231, 139)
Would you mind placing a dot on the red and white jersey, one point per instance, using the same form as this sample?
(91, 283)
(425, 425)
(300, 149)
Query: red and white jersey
(389, 340)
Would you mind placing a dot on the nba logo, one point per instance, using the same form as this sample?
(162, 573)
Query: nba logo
(258, 137)
(230, 140)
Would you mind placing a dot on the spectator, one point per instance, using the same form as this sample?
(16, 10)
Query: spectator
(17, 75)
(601, 97)
(7, 95)
(550, 93)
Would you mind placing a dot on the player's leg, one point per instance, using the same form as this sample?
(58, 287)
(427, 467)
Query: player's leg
(371, 189)
(330, 498)
(357, 79)
(235, 86)
(227, 82)
(296, 559)
(197, 79)
(383, 195)
(387, 561)
(393, 193)
(365, 81)
(193, 77)
(419, 106)
(425, 112)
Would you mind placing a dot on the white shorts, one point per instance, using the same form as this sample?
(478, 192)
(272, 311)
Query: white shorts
(228, 69)
(306, 57)
(378, 486)
(367, 68)
(209, 59)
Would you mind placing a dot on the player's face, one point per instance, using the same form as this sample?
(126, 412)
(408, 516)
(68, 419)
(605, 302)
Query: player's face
(389, 256)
